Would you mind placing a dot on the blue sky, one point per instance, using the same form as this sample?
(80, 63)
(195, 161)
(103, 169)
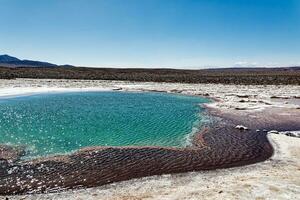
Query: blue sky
(153, 33)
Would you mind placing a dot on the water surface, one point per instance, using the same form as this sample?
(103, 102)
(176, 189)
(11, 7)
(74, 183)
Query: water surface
(63, 122)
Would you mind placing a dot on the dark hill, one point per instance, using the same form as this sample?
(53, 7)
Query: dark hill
(6, 59)
(10, 61)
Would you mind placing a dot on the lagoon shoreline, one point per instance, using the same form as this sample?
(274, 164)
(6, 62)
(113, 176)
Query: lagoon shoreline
(208, 152)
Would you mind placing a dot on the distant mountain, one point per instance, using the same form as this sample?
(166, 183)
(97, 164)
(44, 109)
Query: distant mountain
(10, 61)
(6, 58)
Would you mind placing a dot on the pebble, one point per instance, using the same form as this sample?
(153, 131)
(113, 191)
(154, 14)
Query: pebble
(241, 127)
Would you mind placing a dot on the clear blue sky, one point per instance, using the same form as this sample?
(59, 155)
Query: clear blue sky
(152, 33)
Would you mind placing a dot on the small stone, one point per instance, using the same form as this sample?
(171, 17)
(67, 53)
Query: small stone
(257, 130)
(241, 127)
(288, 134)
(273, 132)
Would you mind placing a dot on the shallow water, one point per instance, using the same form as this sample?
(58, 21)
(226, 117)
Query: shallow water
(60, 123)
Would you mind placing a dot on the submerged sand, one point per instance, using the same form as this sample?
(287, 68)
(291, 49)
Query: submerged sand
(275, 178)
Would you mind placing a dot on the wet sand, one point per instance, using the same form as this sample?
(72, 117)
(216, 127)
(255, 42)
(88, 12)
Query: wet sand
(219, 146)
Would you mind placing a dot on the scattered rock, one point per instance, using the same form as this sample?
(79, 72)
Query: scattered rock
(288, 134)
(242, 128)
(257, 130)
(291, 133)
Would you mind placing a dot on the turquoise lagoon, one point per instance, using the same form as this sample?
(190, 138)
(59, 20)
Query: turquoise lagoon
(55, 123)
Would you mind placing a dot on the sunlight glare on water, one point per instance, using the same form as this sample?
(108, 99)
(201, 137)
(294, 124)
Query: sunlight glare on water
(62, 122)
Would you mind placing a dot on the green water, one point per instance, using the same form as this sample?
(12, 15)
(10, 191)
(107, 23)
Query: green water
(63, 122)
